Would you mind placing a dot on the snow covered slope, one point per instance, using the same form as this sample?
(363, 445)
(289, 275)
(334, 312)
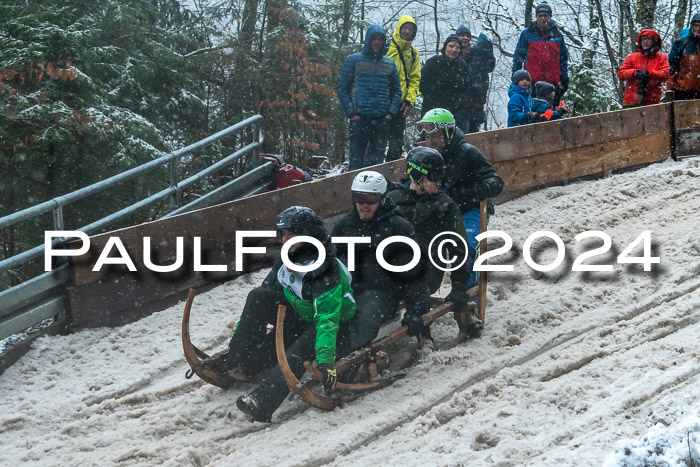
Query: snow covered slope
(572, 369)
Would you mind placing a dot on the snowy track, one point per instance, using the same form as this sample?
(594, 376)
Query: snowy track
(572, 369)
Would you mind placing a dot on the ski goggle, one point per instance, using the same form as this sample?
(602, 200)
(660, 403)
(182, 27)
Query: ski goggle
(428, 128)
(365, 198)
(416, 173)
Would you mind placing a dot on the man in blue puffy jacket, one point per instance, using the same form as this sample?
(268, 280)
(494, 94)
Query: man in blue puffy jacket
(370, 92)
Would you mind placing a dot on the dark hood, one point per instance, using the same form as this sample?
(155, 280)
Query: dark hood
(372, 31)
(451, 38)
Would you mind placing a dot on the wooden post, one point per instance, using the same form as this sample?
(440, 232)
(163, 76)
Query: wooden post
(483, 246)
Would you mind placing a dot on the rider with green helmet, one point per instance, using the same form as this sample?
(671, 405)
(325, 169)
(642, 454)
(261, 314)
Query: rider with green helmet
(469, 179)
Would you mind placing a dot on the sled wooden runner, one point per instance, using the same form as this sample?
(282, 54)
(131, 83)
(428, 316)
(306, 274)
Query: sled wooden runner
(361, 356)
(194, 356)
(294, 385)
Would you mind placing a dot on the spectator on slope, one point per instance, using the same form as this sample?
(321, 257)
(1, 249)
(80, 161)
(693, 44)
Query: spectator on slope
(480, 61)
(684, 64)
(520, 102)
(442, 80)
(541, 51)
(378, 290)
(432, 212)
(370, 92)
(405, 56)
(469, 179)
(543, 103)
(645, 71)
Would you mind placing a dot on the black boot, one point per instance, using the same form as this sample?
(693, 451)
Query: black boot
(253, 409)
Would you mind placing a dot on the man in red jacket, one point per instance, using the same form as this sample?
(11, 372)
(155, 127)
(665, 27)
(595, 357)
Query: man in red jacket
(645, 71)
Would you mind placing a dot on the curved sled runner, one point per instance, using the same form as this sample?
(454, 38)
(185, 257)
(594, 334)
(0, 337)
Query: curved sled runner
(195, 357)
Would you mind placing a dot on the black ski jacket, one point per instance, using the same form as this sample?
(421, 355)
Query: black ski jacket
(369, 275)
(470, 176)
(432, 214)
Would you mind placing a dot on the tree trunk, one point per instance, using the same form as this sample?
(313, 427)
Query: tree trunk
(631, 28)
(588, 55)
(528, 13)
(611, 53)
(347, 22)
(645, 13)
(437, 29)
(680, 18)
(250, 18)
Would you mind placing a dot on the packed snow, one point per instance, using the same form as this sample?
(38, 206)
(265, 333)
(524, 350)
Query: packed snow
(573, 368)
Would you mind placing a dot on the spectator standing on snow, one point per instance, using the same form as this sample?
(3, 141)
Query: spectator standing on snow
(479, 61)
(684, 64)
(370, 92)
(405, 56)
(442, 79)
(645, 71)
(541, 51)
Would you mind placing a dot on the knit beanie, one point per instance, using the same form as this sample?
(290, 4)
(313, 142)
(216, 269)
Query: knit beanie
(451, 38)
(462, 29)
(543, 8)
(543, 88)
(519, 76)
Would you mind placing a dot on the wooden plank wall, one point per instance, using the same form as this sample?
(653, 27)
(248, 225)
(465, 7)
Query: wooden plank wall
(96, 296)
(526, 157)
(543, 154)
(687, 128)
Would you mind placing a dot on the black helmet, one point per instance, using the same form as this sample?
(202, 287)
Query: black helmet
(425, 161)
(302, 221)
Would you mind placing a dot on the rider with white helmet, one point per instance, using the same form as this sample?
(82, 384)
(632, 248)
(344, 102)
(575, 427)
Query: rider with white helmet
(378, 290)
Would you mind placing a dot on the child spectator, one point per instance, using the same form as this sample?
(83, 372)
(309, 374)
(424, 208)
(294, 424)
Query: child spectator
(520, 103)
(543, 103)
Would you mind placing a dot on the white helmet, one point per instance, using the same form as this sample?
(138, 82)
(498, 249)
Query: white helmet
(369, 181)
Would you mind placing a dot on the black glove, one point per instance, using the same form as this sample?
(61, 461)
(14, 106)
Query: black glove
(414, 323)
(330, 378)
(459, 298)
(642, 76)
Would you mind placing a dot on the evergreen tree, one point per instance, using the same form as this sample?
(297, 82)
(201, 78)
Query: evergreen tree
(89, 89)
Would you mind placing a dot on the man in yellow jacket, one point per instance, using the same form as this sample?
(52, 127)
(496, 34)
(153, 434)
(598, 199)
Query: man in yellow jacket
(408, 64)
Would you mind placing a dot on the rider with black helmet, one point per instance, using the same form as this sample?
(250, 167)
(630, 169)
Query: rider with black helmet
(319, 304)
(432, 211)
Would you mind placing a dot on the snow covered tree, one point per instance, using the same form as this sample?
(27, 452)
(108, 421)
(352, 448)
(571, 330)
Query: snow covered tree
(88, 89)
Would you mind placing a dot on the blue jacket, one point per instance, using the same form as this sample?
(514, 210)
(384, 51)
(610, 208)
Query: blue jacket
(546, 59)
(541, 105)
(519, 106)
(369, 83)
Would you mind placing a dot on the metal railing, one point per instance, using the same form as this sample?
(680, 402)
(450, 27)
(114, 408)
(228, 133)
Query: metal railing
(42, 297)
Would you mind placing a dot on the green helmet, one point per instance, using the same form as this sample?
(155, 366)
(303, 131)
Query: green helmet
(437, 119)
(422, 161)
